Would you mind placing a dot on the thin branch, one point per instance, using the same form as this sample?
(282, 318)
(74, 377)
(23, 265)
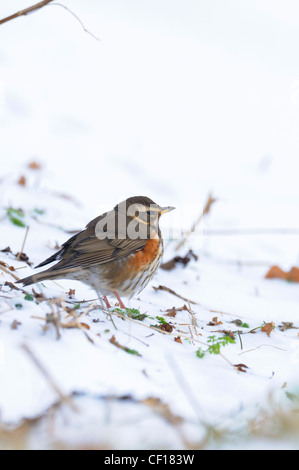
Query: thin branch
(42, 4)
(26, 11)
(261, 346)
(64, 398)
(23, 245)
(167, 289)
(206, 210)
(10, 273)
(78, 19)
(252, 231)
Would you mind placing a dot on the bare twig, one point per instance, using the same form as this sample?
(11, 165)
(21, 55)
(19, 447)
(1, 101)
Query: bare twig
(23, 246)
(47, 376)
(192, 318)
(78, 19)
(42, 4)
(174, 293)
(26, 11)
(261, 346)
(252, 231)
(206, 210)
(10, 273)
(189, 393)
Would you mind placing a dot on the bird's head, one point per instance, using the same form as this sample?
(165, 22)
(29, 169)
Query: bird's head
(142, 212)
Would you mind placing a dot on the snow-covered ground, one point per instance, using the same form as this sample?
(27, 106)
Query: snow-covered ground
(176, 100)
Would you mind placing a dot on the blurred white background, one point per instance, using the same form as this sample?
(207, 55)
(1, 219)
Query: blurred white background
(176, 99)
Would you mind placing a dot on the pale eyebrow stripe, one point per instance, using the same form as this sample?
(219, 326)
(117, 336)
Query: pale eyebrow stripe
(140, 220)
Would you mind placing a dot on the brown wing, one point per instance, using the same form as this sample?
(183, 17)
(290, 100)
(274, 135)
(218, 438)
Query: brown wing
(86, 249)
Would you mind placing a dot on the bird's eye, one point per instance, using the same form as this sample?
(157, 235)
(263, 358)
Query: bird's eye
(148, 213)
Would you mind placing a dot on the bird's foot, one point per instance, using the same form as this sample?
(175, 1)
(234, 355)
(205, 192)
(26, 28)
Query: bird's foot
(121, 304)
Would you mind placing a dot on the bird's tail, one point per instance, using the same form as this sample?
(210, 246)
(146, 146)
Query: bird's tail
(48, 275)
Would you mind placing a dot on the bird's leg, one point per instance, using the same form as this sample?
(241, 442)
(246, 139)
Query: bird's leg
(121, 304)
(107, 302)
(105, 299)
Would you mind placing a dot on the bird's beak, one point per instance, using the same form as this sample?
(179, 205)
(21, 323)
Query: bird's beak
(163, 210)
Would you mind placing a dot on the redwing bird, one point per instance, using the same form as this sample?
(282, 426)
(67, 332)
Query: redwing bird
(117, 253)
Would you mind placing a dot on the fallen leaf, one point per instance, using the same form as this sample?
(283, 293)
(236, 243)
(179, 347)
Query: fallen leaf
(215, 322)
(71, 292)
(38, 296)
(11, 285)
(23, 257)
(178, 340)
(22, 181)
(11, 268)
(171, 312)
(15, 324)
(241, 367)
(268, 328)
(166, 327)
(171, 264)
(6, 250)
(276, 272)
(229, 333)
(287, 326)
(294, 275)
(34, 165)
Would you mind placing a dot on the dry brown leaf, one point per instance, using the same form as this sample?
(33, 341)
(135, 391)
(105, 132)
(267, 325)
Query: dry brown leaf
(171, 264)
(215, 322)
(276, 272)
(166, 327)
(6, 250)
(171, 312)
(22, 181)
(15, 324)
(11, 268)
(34, 166)
(38, 296)
(11, 285)
(285, 325)
(268, 328)
(294, 275)
(241, 367)
(178, 339)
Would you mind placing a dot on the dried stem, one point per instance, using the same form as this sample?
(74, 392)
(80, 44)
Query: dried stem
(9, 272)
(167, 289)
(252, 231)
(206, 210)
(40, 5)
(78, 19)
(47, 376)
(23, 246)
(26, 11)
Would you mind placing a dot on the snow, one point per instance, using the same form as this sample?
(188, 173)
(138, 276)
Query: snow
(162, 106)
